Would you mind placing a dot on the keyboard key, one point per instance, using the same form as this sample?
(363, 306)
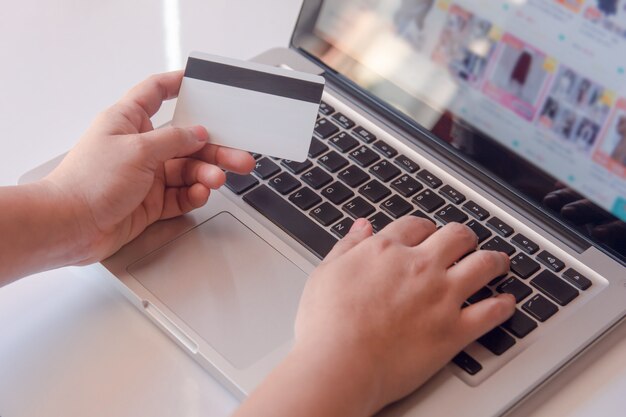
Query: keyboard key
(407, 164)
(523, 265)
(516, 287)
(497, 341)
(419, 213)
(364, 156)
(332, 161)
(343, 120)
(316, 178)
(520, 324)
(265, 168)
(284, 183)
(364, 134)
(296, 167)
(343, 141)
(481, 231)
(429, 178)
(577, 279)
(256, 155)
(452, 194)
(353, 176)
(325, 129)
(500, 245)
(343, 227)
(467, 363)
(316, 148)
(406, 185)
(326, 214)
(291, 220)
(326, 108)
(550, 261)
(540, 308)
(358, 207)
(337, 193)
(384, 170)
(428, 201)
(524, 243)
(450, 214)
(554, 287)
(379, 221)
(500, 227)
(480, 295)
(385, 149)
(475, 210)
(240, 183)
(305, 198)
(374, 191)
(396, 206)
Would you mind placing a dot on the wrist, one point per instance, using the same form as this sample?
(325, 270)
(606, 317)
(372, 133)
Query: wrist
(343, 377)
(313, 382)
(72, 240)
(41, 229)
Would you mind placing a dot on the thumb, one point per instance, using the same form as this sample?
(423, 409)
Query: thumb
(360, 230)
(160, 145)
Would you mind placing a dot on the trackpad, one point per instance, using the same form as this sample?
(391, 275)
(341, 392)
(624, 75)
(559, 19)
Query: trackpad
(234, 289)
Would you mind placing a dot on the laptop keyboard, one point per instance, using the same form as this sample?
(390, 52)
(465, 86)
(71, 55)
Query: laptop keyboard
(350, 173)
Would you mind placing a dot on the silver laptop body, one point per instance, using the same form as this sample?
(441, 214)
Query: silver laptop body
(224, 281)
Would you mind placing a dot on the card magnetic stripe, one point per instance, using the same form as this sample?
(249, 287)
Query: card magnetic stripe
(248, 79)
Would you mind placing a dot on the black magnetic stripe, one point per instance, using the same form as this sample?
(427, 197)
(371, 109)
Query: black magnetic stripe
(254, 80)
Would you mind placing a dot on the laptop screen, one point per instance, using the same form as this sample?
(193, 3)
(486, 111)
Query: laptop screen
(534, 91)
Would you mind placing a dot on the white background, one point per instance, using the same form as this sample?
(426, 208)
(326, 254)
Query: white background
(71, 345)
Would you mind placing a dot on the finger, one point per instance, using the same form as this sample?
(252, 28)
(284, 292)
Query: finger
(178, 201)
(229, 159)
(450, 243)
(361, 229)
(475, 270)
(479, 318)
(409, 230)
(150, 93)
(198, 195)
(181, 172)
(160, 145)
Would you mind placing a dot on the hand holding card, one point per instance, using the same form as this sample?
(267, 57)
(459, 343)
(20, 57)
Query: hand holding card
(250, 106)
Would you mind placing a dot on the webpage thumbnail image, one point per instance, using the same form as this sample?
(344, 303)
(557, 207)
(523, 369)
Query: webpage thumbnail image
(519, 76)
(465, 45)
(410, 22)
(609, 14)
(611, 152)
(573, 5)
(576, 109)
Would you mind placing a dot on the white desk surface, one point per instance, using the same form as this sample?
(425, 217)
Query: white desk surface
(70, 345)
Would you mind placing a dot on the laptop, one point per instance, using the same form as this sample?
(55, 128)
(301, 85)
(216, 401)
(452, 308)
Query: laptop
(509, 117)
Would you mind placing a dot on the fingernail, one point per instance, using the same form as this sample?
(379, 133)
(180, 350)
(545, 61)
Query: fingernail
(359, 224)
(200, 133)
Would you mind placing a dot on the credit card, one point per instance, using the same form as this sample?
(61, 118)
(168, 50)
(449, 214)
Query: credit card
(250, 106)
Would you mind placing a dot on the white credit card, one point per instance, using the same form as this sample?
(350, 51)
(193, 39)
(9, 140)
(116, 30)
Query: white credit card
(250, 106)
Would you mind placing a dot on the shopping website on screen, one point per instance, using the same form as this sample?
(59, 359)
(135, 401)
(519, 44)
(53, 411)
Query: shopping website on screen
(545, 78)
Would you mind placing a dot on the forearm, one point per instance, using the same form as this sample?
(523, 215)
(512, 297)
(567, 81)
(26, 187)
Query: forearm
(308, 384)
(38, 231)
